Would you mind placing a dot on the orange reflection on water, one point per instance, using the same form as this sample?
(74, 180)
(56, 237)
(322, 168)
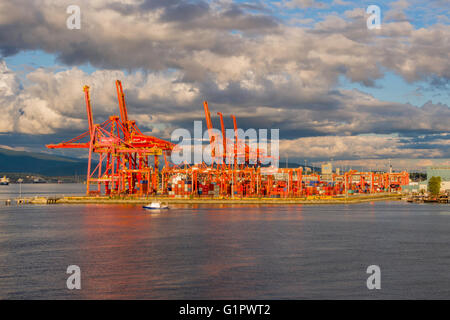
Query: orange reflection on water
(113, 235)
(126, 250)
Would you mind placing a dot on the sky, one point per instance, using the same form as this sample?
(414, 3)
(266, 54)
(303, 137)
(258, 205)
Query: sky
(313, 69)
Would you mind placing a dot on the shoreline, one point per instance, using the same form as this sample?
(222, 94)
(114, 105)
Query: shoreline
(264, 201)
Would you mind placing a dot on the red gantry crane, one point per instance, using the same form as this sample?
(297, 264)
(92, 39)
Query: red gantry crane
(124, 153)
(128, 162)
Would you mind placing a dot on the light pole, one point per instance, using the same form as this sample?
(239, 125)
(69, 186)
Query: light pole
(20, 180)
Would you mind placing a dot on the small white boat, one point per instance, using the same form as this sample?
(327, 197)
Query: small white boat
(156, 206)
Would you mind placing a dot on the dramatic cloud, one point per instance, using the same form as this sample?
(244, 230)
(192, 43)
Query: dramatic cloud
(53, 101)
(224, 41)
(360, 147)
(241, 57)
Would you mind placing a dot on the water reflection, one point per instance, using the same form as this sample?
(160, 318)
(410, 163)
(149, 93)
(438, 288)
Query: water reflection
(224, 252)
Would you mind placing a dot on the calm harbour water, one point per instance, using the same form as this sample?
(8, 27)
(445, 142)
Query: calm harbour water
(222, 252)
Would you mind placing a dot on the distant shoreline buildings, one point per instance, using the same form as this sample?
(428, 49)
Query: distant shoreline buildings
(433, 171)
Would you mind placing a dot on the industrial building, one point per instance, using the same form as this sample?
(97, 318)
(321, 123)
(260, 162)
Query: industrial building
(327, 172)
(435, 171)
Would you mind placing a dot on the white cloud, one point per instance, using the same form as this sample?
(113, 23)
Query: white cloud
(267, 73)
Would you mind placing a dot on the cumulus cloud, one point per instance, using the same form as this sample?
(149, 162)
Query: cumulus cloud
(238, 56)
(304, 4)
(336, 125)
(361, 147)
(157, 35)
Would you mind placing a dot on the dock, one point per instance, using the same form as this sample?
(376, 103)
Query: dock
(222, 201)
(443, 198)
(32, 200)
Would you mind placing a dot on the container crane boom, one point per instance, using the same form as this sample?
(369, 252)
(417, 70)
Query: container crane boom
(88, 109)
(123, 109)
(224, 138)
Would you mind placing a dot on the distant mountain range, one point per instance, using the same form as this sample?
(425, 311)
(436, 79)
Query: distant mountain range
(40, 163)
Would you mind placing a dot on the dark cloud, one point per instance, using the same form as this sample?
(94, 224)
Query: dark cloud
(185, 12)
(240, 58)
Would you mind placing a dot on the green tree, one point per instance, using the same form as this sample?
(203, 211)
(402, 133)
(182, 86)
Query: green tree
(434, 185)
